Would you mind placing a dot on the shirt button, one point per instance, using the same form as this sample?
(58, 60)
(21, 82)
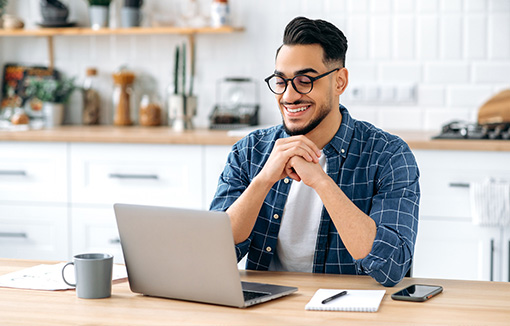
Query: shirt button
(268, 249)
(276, 216)
(342, 150)
(286, 180)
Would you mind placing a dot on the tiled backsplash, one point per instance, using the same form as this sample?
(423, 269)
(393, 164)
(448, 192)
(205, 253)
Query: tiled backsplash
(455, 54)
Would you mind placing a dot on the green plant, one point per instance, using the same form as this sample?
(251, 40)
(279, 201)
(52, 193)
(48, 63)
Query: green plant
(133, 3)
(50, 90)
(104, 3)
(3, 4)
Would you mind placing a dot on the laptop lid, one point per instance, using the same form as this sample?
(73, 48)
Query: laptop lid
(184, 254)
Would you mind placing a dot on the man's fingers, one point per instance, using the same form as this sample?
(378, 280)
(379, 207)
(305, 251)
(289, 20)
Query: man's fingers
(298, 146)
(291, 173)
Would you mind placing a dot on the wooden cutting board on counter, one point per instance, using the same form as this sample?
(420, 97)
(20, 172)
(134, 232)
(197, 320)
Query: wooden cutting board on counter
(496, 110)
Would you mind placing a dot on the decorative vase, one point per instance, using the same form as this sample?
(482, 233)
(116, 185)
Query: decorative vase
(99, 16)
(53, 114)
(131, 17)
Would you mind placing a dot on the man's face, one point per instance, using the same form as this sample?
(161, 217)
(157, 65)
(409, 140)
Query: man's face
(302, 113)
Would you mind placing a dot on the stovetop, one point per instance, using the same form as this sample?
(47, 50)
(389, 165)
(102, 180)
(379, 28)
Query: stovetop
(468, 130)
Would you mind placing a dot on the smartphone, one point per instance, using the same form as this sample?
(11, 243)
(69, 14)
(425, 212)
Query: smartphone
(417, 292)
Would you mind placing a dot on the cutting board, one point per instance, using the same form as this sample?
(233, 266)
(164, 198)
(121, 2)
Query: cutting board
(496, 110)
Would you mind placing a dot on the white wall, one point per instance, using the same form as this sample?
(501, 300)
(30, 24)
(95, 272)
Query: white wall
(455, 52)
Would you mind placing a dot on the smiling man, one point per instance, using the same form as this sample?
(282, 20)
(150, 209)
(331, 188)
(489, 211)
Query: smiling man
(322, 192)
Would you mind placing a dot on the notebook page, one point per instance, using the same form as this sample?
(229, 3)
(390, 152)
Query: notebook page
(354, 300)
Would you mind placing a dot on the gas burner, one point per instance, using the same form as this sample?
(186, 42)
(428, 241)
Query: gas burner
(467, 130)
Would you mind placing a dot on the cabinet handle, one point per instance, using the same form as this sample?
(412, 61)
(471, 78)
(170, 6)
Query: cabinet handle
(13, 235)
(459, 185)
(13, 172)
(115, 241)
(133, 176)
(492, 260)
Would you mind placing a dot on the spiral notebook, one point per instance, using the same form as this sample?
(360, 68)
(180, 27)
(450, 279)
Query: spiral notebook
(354, 300)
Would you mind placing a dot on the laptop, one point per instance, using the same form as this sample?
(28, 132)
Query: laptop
(186, 254)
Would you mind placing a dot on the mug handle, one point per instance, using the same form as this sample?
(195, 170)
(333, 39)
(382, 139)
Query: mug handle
(64, 278)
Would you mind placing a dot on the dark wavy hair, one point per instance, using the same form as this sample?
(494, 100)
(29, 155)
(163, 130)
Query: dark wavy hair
(303, 31)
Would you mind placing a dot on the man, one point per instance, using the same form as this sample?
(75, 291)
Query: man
(322, 192)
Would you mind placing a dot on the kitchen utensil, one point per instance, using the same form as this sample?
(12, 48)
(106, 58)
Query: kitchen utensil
(237, 104)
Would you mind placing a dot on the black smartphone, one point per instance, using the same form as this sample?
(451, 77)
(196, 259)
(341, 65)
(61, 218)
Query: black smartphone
(417, 292)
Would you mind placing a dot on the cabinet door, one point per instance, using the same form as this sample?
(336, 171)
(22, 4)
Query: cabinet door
(33, 172)
(215, 159)
(455, 249)
(505, 261)
(95, 230)
(167, 175)
(445, 178)
(34, 232)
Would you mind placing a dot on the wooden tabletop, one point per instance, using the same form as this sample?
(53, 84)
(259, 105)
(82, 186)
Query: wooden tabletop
(461, 303)
(132, 134)
(165, 135)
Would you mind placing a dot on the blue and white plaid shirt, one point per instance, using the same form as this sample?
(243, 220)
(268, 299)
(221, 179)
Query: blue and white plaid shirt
(375, 169)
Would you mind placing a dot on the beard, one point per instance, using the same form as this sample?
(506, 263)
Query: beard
(312, 124)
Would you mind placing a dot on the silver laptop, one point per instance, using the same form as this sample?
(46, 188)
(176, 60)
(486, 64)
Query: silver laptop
(186, 254)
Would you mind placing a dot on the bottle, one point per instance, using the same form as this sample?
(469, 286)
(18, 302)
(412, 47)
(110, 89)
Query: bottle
(219, 13)
(91, 100)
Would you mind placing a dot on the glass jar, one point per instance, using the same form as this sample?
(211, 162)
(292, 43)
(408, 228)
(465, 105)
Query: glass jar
(219, 13)
(91, 100)
(150, 112)
(19, 117)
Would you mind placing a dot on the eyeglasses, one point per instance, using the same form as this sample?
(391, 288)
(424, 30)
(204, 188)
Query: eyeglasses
(303, 84)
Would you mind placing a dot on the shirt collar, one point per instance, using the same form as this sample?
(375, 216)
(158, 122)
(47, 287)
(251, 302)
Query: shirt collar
(340, 142)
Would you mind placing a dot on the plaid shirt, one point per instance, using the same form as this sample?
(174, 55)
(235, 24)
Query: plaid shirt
(375, 169)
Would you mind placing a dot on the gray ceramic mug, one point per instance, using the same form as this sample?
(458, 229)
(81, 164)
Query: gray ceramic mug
(93, 274)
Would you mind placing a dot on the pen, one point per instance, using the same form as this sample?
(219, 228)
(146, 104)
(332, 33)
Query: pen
(338, 295)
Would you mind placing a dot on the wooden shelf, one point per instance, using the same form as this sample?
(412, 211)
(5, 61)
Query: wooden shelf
(86, 31)
(49, 33)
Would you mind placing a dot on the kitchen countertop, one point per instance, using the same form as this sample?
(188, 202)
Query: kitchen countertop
(165, 135)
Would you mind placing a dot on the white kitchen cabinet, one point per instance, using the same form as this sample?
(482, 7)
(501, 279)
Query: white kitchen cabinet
(505, 260)
(445, 178)
(449, 245)
(456, 249)
(33, 200)
(167, 175)
(95, 230)
(215, 158)
(104, 174)
(33, 172)
(34, 232)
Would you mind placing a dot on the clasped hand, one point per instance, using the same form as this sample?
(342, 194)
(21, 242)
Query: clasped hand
(296, 157)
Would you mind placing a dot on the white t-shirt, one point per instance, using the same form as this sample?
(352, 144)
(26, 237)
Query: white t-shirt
(295, 249)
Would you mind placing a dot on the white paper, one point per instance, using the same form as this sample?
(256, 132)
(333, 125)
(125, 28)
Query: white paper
(48, 277)
(354, 300)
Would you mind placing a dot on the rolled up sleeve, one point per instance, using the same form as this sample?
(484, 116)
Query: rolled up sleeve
(395, 212)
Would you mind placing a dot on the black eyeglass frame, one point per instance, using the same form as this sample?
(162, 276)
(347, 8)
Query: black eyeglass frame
(286, 80)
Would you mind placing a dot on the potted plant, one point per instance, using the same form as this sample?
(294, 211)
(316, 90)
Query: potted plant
(99, 12)
(3, 4)
(54, 94)
(131, 15)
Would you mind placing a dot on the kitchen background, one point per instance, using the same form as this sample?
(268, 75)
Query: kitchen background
(413, 64)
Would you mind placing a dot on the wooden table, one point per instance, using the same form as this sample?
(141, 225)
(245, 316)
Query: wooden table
(461, 303)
